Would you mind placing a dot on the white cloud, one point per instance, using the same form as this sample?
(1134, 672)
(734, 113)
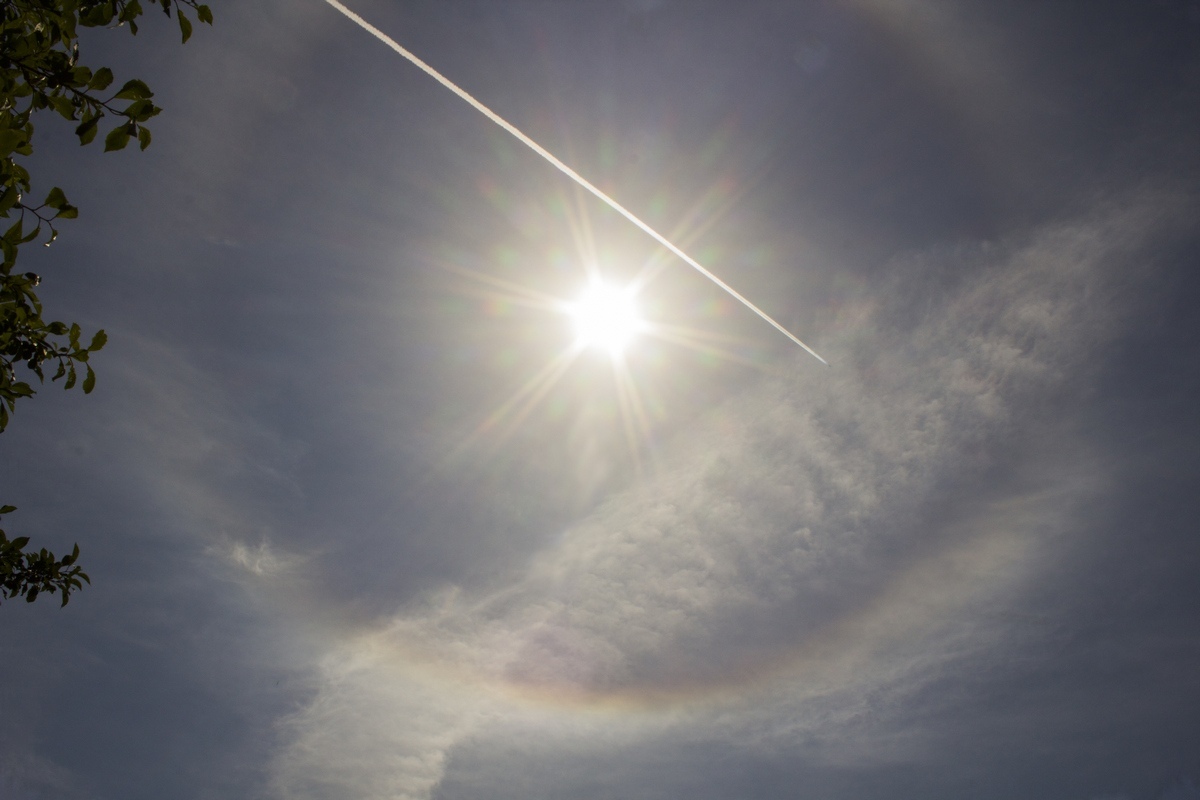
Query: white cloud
(261, 560)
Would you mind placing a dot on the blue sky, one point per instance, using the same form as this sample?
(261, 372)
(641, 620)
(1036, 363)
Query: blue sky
(330, 559)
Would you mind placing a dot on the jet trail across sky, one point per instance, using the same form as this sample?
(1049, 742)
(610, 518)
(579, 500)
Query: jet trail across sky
(572, 174)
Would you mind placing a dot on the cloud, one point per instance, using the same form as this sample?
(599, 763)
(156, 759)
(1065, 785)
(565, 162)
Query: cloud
(261, 560)
(397, 745)
(216, 471)
(1182, 789)
(816, 550)
(26, 776)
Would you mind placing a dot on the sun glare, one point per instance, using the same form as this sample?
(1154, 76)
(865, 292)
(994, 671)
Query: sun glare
(606, 317)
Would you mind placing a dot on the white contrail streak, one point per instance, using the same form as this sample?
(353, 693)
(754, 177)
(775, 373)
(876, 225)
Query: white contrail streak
(572, 174)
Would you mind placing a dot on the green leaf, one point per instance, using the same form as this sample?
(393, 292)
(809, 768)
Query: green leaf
(144, 137)
(185, 25)
(134, 90)
(87, 131)
(7, 509)
(117, 139)
(8, 200)
(11, 140)
(101, 80)
(204, 14)
(66, 212)
(73, 335)
(63, 105)
(132, 10)
(70, 377)
(89, 382)
(57, 198)
(98, 341)
(98, 16)
(141, 110)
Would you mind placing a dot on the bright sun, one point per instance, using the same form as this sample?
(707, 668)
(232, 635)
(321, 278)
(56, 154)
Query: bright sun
(606, 317)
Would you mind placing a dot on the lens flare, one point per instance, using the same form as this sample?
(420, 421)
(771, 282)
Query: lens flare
(570, 173)
(605, 317)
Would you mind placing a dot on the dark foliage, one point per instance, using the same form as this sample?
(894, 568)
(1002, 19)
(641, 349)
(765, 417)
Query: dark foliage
(40, 70)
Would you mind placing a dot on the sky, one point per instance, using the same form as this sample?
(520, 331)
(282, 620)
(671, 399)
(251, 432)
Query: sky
(345, 543)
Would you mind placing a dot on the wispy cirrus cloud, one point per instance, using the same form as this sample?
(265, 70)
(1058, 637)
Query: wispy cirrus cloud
(817, 543)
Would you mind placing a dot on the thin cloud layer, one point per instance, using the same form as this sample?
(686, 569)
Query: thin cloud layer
(960, 563)
(818, 540)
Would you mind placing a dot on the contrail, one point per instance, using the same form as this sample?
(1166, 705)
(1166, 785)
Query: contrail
(570, 173)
